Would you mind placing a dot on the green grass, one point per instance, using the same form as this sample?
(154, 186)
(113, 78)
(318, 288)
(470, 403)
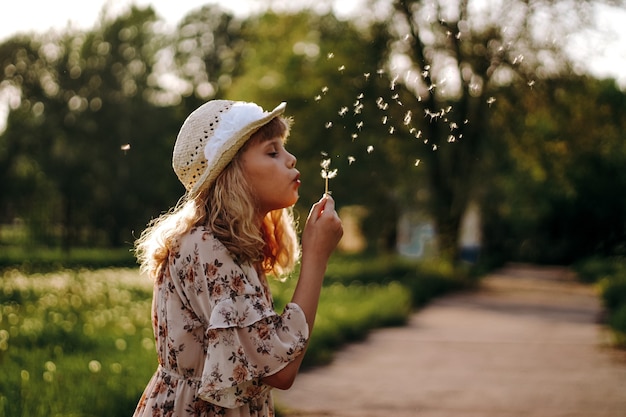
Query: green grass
(79, 342)
(609, 275)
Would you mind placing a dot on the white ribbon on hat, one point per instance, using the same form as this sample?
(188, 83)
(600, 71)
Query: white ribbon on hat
(236, 118)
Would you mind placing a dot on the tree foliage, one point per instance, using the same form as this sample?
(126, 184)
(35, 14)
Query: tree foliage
(432, 106)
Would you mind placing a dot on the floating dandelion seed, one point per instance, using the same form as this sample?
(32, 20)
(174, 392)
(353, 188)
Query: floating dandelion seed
(453, 126)
(318, 97)
(343, 111)
(360, 96)
(125, 147)
(451, 139)
(384, 120)
(434, 147)
(354, 136)
(380, 71)
(330, 55)
(341, 68)
(328, 125)
(366, 75)
(466, 121)
(370, 149)
(531, 83)
(325, 89)
(351, 159)
(393, 83)
(359, 125)
(491, 100)
(392, 130)
(407, 118)
(417, 162)
(327, 173)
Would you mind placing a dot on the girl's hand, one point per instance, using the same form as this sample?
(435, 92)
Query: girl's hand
(322, 231)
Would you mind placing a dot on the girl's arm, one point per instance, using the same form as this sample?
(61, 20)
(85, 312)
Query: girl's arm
(320, 237)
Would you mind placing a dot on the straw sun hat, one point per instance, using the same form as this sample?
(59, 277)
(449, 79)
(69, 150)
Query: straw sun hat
(210, 138)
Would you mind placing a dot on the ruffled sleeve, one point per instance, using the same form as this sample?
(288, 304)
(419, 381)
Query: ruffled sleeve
(246, 339)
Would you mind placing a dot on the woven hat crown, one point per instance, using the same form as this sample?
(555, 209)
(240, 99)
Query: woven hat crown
(211, 136)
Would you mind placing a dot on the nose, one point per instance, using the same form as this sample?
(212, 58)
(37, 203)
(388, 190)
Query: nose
(292, 160)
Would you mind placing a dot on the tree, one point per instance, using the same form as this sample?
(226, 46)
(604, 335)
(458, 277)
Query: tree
(85, 98)
(464, 53)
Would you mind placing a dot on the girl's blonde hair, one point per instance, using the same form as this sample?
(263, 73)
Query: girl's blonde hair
(227, 209)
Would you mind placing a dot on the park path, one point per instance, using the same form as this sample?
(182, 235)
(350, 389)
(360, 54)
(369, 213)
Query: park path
(526, 344)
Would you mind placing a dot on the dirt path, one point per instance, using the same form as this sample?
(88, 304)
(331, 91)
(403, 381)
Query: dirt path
(526, 345)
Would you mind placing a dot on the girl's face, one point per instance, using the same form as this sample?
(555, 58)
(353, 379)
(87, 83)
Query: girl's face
(271, 173)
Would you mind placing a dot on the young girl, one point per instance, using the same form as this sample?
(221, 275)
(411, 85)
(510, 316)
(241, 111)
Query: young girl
(221, 346)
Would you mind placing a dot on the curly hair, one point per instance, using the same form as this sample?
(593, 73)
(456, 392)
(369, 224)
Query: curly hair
(227, 209)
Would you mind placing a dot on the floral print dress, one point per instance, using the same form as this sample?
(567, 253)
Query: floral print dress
(217, 335)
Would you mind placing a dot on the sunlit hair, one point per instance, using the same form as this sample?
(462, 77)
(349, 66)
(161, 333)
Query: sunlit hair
(227, 208)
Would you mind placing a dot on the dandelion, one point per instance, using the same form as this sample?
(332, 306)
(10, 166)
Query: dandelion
(327, 173)
(95, 366)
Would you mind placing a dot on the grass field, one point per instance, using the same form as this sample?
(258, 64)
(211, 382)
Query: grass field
(79, 342)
